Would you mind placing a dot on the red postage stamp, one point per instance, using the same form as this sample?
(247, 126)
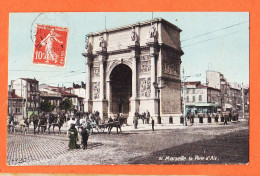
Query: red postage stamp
(50, 45)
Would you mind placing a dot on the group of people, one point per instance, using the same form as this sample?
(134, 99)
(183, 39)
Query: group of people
(73, 136)
(145, 118)
(86, 124)
(12, 122)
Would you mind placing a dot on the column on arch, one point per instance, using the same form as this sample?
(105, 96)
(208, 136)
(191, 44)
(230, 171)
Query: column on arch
(88, 79)
(134, 78)
(102, 77)
(153, 71)
(88, 101)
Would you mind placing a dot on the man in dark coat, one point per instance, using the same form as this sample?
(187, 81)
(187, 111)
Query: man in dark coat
(84, 138)
(152, 123)
(73, 136)
(225, 119)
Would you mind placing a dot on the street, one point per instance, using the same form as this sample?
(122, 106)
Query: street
(198, 144)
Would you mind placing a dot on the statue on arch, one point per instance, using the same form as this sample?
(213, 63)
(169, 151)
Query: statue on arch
(88, 46)
(133, 35)
(102, 43)
(153, 32)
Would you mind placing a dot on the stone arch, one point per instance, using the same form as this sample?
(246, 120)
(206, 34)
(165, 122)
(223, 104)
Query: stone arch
(120, 91)
(115, 63)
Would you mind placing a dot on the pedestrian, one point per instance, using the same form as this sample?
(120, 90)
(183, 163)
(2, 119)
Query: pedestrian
(73, 136)
(209, 118)
(148, 117)
(110, 119)
(136, 120)
(84, 138)
(152, 123)
(225, 119)
(229, 117)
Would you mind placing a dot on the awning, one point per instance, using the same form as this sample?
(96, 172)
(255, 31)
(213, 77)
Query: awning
(228, 105)
(206, 104)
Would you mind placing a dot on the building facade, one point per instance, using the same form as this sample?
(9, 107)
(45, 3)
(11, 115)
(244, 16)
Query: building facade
(201, 98)
(58, 94)
(28, 89)
(123, 63)
(15, 105)
(46, 94)
(235, 96)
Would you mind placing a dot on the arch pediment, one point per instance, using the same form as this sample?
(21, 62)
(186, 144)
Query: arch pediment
(112, 64)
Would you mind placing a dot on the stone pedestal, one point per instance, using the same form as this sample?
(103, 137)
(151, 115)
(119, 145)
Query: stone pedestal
(101, 106)
(88, 105)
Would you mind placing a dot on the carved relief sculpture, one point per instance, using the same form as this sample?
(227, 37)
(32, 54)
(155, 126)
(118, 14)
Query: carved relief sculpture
(96, 71)
(170, 69)
(145, 87)
(96, 90)
(145, 63)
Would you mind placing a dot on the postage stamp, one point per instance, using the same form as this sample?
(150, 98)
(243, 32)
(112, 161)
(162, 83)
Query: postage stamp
(50, 45)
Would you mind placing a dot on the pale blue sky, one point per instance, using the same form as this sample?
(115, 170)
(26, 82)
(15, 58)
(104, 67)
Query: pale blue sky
(226, 51)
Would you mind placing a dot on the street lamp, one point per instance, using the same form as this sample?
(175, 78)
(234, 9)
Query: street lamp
(33, 95)
(156, 86)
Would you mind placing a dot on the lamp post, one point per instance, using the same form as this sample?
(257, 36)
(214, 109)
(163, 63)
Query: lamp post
(158, 88)
(33, 99)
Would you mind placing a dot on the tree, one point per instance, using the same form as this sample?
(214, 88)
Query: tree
(46, 106)
(66, 104)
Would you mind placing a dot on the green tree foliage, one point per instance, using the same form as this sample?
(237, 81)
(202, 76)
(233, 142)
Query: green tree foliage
(66, 104)
(46, 106)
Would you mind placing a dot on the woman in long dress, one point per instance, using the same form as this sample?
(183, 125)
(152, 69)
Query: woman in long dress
(73, 136)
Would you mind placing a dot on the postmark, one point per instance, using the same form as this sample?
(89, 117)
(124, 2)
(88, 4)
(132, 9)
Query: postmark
(50, 45)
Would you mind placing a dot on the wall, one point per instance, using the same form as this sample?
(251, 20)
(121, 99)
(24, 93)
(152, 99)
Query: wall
(213, 79)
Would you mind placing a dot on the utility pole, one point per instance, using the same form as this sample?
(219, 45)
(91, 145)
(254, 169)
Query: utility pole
(105, 23)
(158, 88)
(243, 101)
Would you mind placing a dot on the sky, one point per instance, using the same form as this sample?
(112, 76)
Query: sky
(216, 41)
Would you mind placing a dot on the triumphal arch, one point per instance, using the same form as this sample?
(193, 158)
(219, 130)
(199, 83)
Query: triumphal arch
(123, 63)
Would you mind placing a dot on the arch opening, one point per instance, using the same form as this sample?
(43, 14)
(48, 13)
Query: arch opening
(121, 89)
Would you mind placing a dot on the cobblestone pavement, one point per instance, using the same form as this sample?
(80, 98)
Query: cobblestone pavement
(128, 147)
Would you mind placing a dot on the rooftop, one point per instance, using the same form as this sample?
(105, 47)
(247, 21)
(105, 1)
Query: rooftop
(137, 24)
(12, 95)
(30, 80)
(62, 91)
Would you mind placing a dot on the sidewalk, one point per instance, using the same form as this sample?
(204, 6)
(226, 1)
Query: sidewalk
(148, 127)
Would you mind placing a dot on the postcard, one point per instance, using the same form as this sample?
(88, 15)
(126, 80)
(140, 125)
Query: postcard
(121, 91)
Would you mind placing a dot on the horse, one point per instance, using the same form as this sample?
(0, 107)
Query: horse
(59, 122)
(35, 119)
(42, 124)
(115, 124)
(50, 121)
(10, 124)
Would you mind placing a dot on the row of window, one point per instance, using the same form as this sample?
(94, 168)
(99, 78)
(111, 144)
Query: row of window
(193, 98)
(32, 105)
(190, 91)
(16, 110)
